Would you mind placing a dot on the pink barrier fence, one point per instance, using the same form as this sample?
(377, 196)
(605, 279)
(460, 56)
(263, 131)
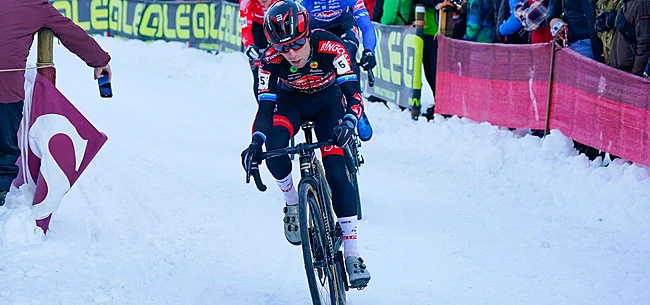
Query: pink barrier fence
(508, 85)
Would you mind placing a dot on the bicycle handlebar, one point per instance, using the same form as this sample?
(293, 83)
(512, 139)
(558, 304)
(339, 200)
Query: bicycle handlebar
(302, 147)
(371, 76)
(253, 170)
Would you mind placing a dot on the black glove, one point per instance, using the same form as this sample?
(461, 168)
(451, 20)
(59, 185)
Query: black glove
(605, 21)
(368, 60)
(255, 151)
(253, 53)
(344, 132)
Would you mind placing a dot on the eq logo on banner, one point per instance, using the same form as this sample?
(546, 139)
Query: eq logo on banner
(205, 25)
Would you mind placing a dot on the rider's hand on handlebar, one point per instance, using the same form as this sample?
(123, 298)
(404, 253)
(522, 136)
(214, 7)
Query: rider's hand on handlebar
(368, 60)
(344, 132)
(254, 150)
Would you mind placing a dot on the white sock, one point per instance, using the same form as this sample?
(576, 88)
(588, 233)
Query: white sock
(349, 228)
(288, 190)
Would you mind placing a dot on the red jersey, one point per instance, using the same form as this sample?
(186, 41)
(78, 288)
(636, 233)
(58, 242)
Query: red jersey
(250, 11)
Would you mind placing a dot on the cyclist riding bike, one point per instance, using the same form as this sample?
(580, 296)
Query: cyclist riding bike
(251, 17)
(344, 18)
(308, 75)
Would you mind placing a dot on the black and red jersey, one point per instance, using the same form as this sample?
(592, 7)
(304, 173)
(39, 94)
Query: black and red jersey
(330, 64)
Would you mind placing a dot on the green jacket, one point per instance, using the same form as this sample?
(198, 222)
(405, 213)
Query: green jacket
(398, 12)
(430, 21)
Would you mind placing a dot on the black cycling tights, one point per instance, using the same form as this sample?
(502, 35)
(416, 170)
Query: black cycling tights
(325, 109)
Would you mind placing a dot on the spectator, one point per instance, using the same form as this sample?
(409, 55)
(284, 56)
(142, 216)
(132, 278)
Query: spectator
(460, 21)
(579, 17)
(631, 42)
(430, 50)
(377, 12)
(533, 19)
(397, 12)
(19, 20)
(605, 24)
(254, 42)
(480, 21)
(370, 6)
(510, 28)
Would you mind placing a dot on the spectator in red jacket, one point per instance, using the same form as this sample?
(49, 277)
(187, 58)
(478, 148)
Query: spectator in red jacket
(370, 6)
(19, 20)
(251, 17)
(533, 19)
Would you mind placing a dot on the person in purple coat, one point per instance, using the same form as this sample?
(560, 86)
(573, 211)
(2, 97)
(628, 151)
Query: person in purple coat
(19, 21)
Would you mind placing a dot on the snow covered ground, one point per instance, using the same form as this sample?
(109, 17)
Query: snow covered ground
(456, 212)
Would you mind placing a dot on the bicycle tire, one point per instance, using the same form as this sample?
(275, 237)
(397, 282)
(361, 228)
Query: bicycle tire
(313, 236)
(338, 267)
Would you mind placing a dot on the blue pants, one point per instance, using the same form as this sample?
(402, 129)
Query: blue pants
(583, 47)
(10, 117)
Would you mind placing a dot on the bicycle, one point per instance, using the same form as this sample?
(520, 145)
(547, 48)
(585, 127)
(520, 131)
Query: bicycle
(321, 234)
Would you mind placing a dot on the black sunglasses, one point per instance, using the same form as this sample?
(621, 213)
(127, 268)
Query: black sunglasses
(296, 45)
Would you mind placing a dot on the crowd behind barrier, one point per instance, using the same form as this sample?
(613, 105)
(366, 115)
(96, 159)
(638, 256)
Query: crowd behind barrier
(498, 65)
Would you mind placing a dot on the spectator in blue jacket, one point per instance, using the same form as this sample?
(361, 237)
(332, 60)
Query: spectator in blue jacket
(512, 24)
(480, 21)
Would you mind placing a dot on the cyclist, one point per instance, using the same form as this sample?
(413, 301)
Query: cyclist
(344, 18)
(251, 16)
(308, 75)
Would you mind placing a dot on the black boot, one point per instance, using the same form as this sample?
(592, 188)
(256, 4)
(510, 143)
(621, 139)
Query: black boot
(3, 195)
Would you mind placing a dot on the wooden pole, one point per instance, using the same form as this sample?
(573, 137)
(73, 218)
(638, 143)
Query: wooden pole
(550, 91)
(46, 54)
(45, 57)
(446, 23)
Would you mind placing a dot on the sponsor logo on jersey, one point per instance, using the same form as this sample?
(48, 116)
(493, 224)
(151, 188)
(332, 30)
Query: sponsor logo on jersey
(299, 74)
(313, 65)
(273, 56)
(357, 6)
(310, 83)
(328, 14)
(293, 69)
(331, 47)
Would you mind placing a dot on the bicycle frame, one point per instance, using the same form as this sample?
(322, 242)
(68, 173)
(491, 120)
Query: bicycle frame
(330, 265)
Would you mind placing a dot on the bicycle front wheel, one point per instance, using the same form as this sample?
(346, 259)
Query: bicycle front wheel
(324, 284)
